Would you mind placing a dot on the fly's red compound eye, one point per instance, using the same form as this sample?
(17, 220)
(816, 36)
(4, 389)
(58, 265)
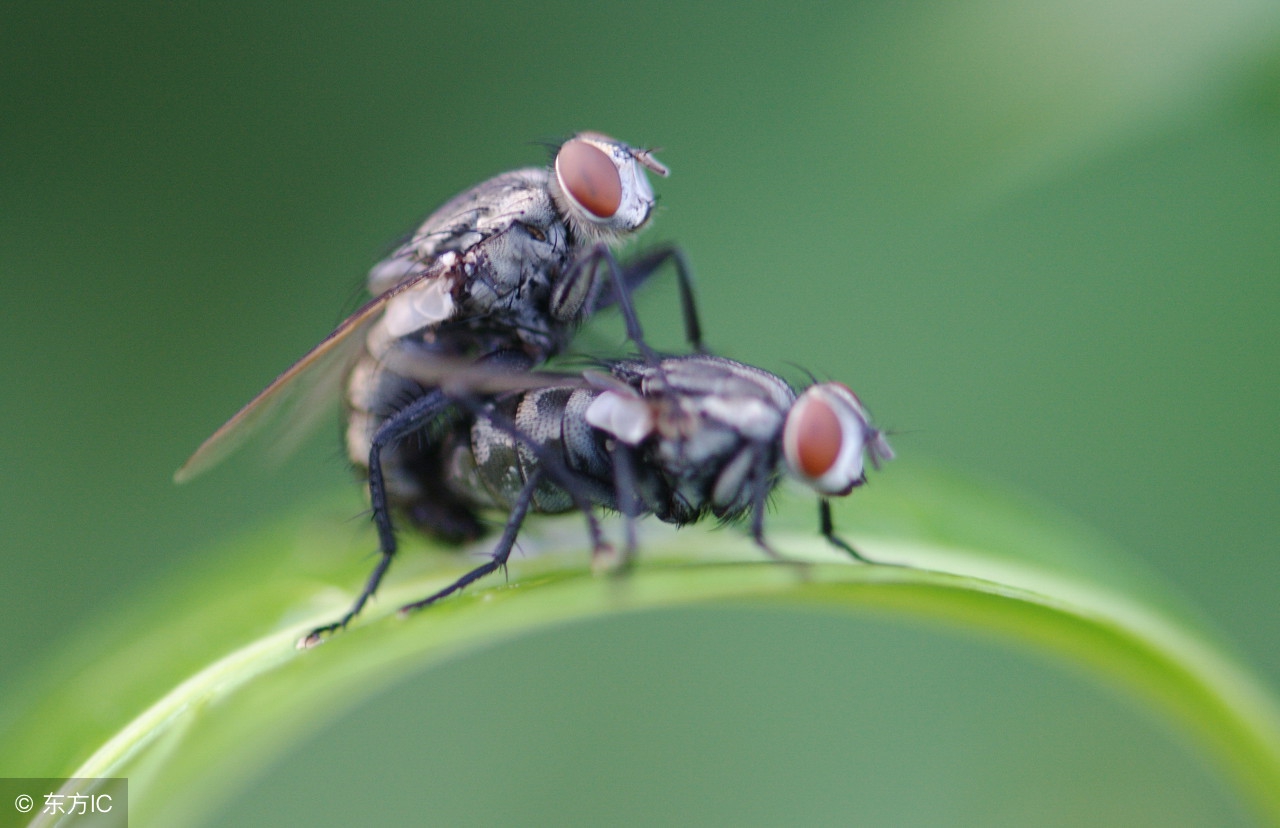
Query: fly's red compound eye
(815, 437)
(825, 436)
(590, 178)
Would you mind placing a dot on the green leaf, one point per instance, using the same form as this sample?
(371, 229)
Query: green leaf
(198, 684)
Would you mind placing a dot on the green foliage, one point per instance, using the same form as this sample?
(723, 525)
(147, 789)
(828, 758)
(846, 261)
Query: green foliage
(199, 685)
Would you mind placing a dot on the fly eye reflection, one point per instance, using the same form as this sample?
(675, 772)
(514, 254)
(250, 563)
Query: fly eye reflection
(590, 177)
(824, 438)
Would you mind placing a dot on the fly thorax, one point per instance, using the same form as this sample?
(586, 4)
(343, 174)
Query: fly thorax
(514, 271)
(465, 222)
(753, 418)
(731, 493)
(690, 447)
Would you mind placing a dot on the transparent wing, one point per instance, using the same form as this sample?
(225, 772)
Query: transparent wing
(297, 400)
(463, 377)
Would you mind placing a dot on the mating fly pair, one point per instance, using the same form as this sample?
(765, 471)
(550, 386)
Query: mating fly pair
(498, 278)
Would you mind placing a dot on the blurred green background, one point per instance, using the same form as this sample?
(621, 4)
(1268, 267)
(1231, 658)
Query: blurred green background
(1041, 241)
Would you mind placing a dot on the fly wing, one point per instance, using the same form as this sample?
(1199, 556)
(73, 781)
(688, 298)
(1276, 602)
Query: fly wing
(463, 377)
(297, 400)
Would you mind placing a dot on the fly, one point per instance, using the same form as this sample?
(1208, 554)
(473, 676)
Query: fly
(683, 438)
(513, 264)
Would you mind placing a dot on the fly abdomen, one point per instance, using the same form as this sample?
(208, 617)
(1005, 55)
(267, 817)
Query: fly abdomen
(539, 417)
(496, 458)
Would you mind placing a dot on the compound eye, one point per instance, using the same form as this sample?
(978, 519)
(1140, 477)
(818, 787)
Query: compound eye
(590, 178)
(825, 436)
(813, 437)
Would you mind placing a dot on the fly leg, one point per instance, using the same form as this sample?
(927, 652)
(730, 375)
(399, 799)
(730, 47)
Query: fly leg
(829, 532)
(628, 309)
(635, 271)
(624, 482)
(500, 554)
(403, 422)
(582, 287)
(759, 483)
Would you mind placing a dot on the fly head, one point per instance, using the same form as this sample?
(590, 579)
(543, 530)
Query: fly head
(827, 435)
(601, 188)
